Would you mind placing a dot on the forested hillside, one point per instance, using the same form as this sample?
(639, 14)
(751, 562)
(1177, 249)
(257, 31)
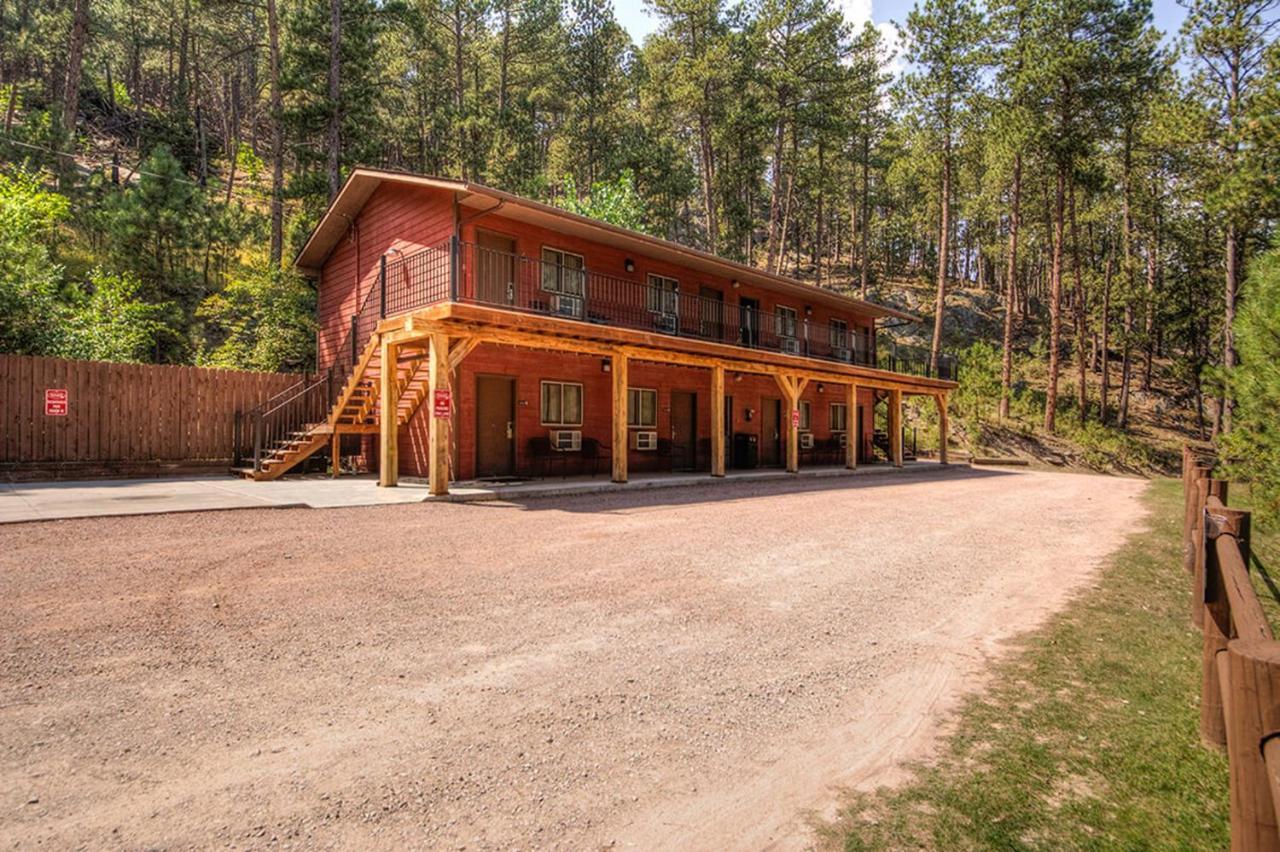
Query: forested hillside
(1106, 190)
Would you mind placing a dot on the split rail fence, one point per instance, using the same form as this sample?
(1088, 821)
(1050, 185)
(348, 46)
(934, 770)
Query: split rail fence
(1240, 684)
(121, 418)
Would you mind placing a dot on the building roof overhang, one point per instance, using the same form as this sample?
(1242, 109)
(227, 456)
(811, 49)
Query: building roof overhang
(476, 199)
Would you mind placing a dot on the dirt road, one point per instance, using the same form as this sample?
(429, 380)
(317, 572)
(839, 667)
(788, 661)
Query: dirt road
(702, 668)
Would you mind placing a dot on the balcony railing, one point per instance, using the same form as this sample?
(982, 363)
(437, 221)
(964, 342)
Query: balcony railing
(469, 273)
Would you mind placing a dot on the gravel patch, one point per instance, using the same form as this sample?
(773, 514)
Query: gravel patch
(701, 667)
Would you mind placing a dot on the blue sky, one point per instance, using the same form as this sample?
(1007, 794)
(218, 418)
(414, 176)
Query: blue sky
(639, 23)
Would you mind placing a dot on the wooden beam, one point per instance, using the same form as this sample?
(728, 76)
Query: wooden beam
(618, 365)
(388, 432)
(717, 421)
(895, 427)
(461, 349)
(943, 430)
(438, 434)
(335, 453)
(791, 388)
(851, 434)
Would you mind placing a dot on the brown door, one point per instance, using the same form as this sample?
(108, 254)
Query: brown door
(495, 426)
(861, 456)
(684, 430)
(495, 268)
(771, 432)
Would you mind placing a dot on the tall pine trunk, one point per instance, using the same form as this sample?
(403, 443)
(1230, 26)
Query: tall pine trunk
(76, 42)
(1078, 305)
(1105, 384)
(1055, 303)
(1229, 292)
(1011, 287)
(335, 98)
(277, 136)
(944, 233)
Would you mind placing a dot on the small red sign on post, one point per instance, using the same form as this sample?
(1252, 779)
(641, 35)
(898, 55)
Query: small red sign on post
(55, 402)
(443, 403)
(795, 418)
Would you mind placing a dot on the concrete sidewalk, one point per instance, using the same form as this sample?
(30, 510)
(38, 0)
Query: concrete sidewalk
(43, 501)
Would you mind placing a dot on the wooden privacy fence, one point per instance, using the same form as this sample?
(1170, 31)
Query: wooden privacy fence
(121, 417)
(1240, 684)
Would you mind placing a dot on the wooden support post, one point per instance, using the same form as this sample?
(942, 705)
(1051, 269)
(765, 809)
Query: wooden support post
(792, 387)
(851, 434)
(895, 427)
(438, 379)
(717, 421)
(335, 453)
(943, 429)
(620, 433)
(388, 429)
(1253, 718)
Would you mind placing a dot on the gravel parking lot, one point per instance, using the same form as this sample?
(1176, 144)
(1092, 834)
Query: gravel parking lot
(704, 668)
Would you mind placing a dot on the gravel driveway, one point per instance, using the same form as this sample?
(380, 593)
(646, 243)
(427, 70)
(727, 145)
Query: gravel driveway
(702, 668)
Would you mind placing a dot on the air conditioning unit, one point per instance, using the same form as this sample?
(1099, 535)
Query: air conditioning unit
(667, 323)
(806, 440)
(790, 345)
(566, 440)
(844, 440)
(644, 441)
(841, 354)
(567, 306)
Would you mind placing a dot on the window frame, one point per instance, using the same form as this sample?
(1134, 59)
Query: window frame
(778, 314)
(843, 408)
(636, 422)
(657, 294)
(806, 415)
(560, 268)
(839, 331)
(542, 404)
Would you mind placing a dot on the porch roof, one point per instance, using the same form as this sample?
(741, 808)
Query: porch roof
(363, 181)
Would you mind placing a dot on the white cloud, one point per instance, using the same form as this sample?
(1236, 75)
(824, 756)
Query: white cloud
(856, 12)
(895, 45)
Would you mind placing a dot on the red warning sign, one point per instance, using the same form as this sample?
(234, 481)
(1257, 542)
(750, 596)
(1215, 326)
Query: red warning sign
(55, 402)
(443, 403)
(795, 418)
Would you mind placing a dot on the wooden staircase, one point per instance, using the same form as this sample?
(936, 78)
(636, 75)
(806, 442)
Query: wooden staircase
(355, 410)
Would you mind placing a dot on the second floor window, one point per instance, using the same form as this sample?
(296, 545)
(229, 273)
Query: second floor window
(563, 272)
(785, 321)
(840, 334)
(663, 293)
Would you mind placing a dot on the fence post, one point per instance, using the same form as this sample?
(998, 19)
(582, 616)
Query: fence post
(1216, 621)
(355, 351)
(382, 286)
(257, 442)
(453, 268)
(237, 454)
(1253, 718)
(1200, 493)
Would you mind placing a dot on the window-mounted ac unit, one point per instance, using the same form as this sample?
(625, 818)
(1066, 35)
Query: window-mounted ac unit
(844, 440)
(806, 440)
(567, 306)
(666, 323)
(841, 354)
(644, 441)
(790, 345)
(566, 440)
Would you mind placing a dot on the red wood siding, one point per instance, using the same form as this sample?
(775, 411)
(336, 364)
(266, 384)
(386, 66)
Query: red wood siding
(530, 368)
(395, 216)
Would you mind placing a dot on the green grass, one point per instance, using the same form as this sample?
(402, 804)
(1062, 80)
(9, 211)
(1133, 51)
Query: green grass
(1088, 736)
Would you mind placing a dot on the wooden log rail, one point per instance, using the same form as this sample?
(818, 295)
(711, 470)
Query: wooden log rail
(1240, 682)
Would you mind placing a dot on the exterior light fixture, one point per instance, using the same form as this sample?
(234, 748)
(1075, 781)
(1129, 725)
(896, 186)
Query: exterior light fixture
(629, 265)
(735, 283)
(606, 365)
(808, 310)
(821, 387)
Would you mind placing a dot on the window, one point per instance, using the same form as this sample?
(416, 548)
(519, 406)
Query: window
(663, 294)
(562, 272)
(561, 404)
(785, 321)
(839, 417)
(839, 334)
(642, 408)
(804, 415)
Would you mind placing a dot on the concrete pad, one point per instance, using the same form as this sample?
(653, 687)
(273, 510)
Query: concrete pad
(43, 501)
